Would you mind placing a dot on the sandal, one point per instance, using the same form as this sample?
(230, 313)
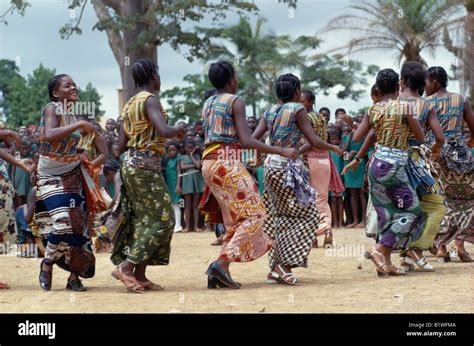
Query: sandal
(380, 267)
(4, 285)
(130, 282)
(394, 271)
(150, 286)
(405, 266)
(421, 262)
(286, 278)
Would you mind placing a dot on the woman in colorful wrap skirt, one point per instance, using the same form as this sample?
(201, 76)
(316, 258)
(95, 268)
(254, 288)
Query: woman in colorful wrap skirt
(455, 164)
(400, 217)
(65, 182)
(146, 236)
(7, 212)
(289, 197)
(228, 183)
(420, 168)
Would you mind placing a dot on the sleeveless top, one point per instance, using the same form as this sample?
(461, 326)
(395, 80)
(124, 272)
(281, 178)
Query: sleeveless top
(319, 125)
(143, 136)
(64, 149)
(283, 130)
(450, 111)
(218, 120)
(389, 123)
(421, 110)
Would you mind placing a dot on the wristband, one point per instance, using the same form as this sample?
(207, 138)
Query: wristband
(358, 159)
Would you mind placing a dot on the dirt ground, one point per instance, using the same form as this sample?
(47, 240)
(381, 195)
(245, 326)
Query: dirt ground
(332, 283)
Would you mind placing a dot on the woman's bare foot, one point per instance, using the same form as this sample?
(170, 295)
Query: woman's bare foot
(360, 225)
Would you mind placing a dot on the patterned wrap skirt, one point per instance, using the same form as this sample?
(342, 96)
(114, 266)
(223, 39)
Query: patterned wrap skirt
(290, 224)
(425, 180)
(241, 207)
(61, 215)
(458, 223)
(148, 219)
(399, 215)
(7, 212)
(319, 165)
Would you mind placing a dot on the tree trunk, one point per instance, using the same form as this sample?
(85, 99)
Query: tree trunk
(120, 42)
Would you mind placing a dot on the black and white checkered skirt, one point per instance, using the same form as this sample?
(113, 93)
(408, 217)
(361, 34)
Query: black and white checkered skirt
(291, 226)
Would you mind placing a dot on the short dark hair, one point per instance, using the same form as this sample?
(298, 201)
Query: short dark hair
(387, 81)
(143, 71)
(340, 110)
(414, 75)
(286, 85)
(111, 166)
(334, 132)
(438, 73)
(324, 109)
(310, 95)
(54, 83)
(374, 90)
(198, 123)
(220, 73)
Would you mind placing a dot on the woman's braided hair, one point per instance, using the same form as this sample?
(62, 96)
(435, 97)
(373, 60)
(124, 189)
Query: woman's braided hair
(143, 71)
(286, 86)
(220, 73)
(438, 73)
(387, 81)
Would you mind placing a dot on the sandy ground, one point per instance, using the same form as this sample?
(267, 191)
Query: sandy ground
(331, 283)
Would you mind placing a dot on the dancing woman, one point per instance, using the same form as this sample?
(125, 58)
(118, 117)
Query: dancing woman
(420, 167)
(231, 185)
(289, 197)
(455, 165)
(400, 217)
(64, 182)
(7, 212)
(146, 239)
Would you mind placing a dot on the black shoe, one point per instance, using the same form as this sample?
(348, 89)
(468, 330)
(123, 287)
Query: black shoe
(45, 278)
(75, 285)
(213, 282)
(216, 271)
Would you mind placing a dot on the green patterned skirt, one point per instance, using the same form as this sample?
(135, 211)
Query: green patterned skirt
(149, 219)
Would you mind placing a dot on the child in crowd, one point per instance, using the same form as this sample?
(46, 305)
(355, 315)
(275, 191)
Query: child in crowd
(115, 153)
(111, 127)
(171, 177)
(199, 130)
(190, 184)
(354, 180)
(111, 168)
(21, 178)
(335, 199)
(181, 148)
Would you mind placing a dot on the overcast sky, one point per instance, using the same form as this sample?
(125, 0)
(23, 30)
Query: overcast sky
(34, 39)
